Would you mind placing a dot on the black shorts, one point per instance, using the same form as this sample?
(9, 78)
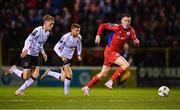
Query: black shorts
(65, 63)
(30, 61)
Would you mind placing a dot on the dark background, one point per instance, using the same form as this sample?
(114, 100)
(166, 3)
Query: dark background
(156, 22)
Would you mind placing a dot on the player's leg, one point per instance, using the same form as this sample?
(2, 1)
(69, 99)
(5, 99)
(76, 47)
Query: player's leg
(100, 75)
(25, 75)
(95, 79)
(104, 71)
(29, 82)
(34, 67)
(13, 69)
(125, 76)
(123, 65)
(58, 76)
(26, 71)
(21, 74)
(26, 63)
(67, 80)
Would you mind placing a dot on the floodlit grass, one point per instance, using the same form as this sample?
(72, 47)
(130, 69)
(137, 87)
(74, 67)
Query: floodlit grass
(100, 98)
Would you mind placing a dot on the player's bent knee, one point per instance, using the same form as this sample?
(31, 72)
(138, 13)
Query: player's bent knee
(35, 76)
(126, 66)
(25, 77)
(69, 75)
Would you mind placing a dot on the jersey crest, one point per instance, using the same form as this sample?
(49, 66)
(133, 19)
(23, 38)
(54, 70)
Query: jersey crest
(34, 33)
(128, 33)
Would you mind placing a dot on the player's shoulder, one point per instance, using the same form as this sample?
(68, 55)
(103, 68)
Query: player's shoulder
(67, 34)
(35, 31)
(113, 24)
(131, 28)
(38, 28)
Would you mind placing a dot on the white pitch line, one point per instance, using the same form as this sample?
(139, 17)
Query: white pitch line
(141, 100)
(22, 100)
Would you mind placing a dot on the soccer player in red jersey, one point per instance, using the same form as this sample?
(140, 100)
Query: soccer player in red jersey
(121, 34)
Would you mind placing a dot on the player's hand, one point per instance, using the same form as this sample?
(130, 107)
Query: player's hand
(64, 59)
(23, 53)
(79, 58)
(136, 43)
(97, 40)
(45, 56)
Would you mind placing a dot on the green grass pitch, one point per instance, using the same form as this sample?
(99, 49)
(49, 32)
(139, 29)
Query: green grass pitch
(100, 98)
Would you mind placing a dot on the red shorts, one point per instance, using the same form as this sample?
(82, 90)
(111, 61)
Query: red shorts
(110, 56)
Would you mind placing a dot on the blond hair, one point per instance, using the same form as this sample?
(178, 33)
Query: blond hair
(48, 17)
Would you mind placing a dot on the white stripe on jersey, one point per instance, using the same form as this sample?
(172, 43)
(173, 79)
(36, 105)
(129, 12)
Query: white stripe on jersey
(67, 44)
(35, 41)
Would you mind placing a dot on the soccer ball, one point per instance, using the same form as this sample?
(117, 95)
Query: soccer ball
(163, 91)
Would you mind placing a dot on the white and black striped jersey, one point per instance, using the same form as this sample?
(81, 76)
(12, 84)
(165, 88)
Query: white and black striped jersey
(35, 41)
(67, 45)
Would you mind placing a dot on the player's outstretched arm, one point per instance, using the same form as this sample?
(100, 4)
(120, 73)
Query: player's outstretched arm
(97, 39)
(23, 53)
(79, 58)
(136, 43)
(134, 38)
(79, 49)
(108, 26)
(45, 56)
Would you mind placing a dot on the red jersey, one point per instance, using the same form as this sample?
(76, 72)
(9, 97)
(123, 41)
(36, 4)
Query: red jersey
(118, 37)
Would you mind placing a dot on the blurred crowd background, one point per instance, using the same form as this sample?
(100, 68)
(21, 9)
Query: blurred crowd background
(156, 22)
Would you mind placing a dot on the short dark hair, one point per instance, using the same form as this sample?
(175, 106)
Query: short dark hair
(75, 25)
(125, 15)
(48, 17)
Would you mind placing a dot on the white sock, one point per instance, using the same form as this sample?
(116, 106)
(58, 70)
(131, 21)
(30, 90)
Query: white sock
(26, 85)
(54, 74)
(87, 87)
(67, 83)
(17, 72)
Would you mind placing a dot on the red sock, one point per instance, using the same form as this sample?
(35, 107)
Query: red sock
(117, 73)
(93, 81)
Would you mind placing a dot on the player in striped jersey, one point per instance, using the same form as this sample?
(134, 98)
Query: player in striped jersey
(32, 47)
(65, 48)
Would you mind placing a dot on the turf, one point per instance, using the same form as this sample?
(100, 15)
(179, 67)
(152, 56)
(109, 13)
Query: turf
(100, 98)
